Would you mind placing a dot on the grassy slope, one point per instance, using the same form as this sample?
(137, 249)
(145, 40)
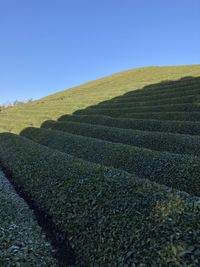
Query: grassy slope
(33, 114)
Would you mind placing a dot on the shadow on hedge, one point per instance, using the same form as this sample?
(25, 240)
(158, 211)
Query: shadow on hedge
(165, 89)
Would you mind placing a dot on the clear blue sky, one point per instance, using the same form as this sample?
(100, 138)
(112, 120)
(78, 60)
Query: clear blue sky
(51, 45)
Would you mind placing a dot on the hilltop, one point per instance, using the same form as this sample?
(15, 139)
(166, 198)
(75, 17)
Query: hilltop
(111, 169)
(66, 102)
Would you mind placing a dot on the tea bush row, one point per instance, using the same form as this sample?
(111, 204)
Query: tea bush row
(94, 205)
(176, 86)
(119, 111)
(136, 103)
(180, 116)
(175, 143)
(128, 97)
(181, 127)
(22, 242)
(178, 171)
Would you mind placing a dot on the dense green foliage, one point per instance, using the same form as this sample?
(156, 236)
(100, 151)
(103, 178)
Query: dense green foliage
(175, 143)
(118, 112)
(21, 240)
(96, 204)
(181, 127)
(148, 98)
(161, 91)
(178, 171)
(181, 116)
(130, 102)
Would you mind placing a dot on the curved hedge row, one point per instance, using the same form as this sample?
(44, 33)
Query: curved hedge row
(95, 204)
(175, 86)
(119, 112)
(127, 97)
(181, 127)
(181, 116)
(22, 242)
(156, 102)
(156, 166)
(175, 143)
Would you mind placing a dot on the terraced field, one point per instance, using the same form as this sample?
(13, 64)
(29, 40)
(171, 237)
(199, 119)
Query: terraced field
(114, 165)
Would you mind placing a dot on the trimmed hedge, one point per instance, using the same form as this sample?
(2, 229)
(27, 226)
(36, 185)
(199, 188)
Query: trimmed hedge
(152, 93)
(175, 143)
(150, 97)
(173, 86)
(112, 218)
(136, 103)
(156, 166)
(181, 127)
(181, 116)
(122, 111)
(22, 242)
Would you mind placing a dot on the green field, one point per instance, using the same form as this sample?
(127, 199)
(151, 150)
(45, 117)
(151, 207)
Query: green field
(115, 164)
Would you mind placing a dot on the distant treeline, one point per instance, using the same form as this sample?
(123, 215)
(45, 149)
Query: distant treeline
(15, 103)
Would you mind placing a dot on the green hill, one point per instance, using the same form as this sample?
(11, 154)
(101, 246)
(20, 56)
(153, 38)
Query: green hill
(114, 164)
(66, 102)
